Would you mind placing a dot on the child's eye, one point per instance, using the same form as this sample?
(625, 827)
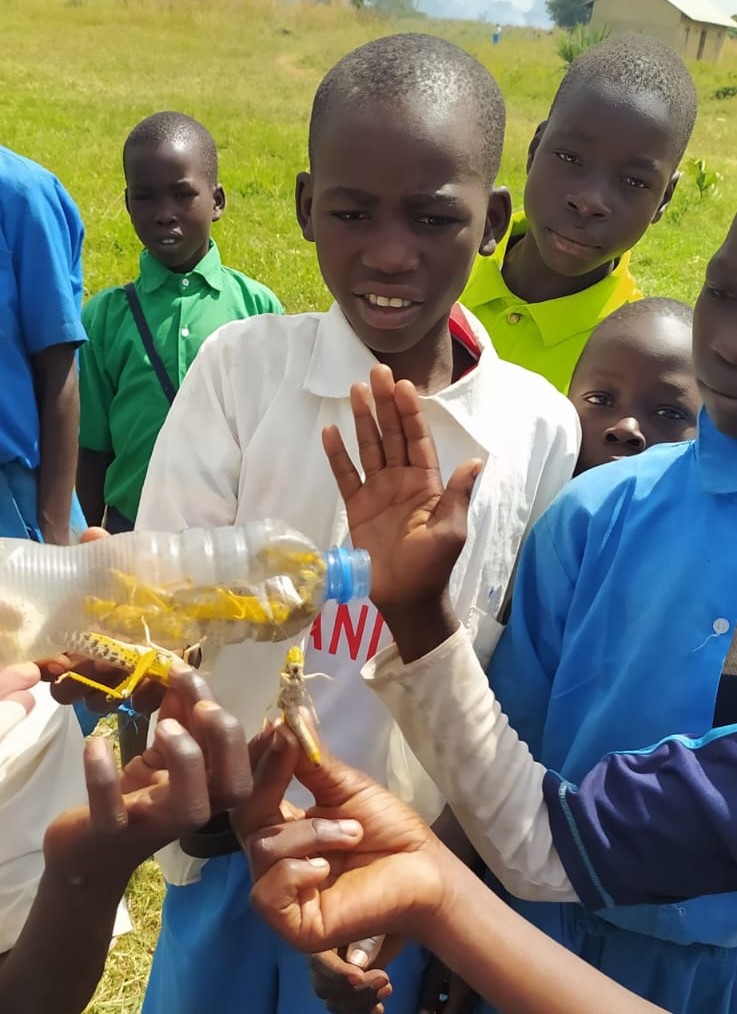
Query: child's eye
(598, 398)
(185, 195)
(635, 183)
(671, 413)
(436, 220)
(349, 216)
(565, 156)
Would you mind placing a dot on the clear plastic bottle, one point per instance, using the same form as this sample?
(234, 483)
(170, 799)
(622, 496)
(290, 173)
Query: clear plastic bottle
(261, 580)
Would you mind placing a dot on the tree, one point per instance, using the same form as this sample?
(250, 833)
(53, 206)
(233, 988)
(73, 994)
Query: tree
(569, 13)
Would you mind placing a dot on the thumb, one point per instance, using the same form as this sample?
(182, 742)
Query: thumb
(452, 507)
(334, 783)
(364, 952)
(92, 534)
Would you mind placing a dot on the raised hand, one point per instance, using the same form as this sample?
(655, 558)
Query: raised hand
(413, 526)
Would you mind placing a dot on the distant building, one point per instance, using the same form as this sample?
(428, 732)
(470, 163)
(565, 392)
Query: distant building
(694, 28)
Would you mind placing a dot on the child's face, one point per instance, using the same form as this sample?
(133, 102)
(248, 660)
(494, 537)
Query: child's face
(602, 171)
(715, 336)
(633, 388)
(171, 202)
(398, 209)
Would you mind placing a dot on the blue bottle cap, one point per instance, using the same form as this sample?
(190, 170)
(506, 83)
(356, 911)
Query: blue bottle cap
(348, 574)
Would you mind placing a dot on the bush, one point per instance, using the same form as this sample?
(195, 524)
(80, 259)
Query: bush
(577, 41)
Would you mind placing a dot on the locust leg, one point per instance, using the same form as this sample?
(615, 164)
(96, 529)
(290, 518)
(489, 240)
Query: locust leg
(125, 688)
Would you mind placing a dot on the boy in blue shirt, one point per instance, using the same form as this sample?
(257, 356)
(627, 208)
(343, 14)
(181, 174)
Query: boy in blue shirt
(601, 169)
(41, 237)
(622, 633)
(184, 293)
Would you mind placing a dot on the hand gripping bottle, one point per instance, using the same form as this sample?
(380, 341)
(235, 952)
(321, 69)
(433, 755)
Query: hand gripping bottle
(260, 580)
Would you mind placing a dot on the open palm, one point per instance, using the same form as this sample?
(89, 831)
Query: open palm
(412, 525)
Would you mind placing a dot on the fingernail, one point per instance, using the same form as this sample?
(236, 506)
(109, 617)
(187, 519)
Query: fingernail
(358, 957)
(208, 705)
(349, 828)
(316, 861)
(96, 747)
(171, 727)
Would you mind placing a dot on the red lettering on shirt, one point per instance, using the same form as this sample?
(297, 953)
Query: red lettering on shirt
(316, 633)
(354, 636)
(375, 635)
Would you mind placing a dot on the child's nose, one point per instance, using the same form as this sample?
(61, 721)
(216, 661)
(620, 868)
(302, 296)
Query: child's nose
(589, 200)
(165, 213)
(390, 251)
(626, 431)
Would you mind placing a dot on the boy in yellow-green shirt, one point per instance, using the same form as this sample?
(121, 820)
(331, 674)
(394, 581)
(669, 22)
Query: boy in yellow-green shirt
(599, 173)
(139, 351)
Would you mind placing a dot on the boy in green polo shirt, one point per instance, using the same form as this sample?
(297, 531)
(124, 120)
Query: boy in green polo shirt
(184, 293)
(601, 169)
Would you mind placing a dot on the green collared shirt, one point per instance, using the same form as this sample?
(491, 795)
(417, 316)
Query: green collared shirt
(122, 404)
(546, 337)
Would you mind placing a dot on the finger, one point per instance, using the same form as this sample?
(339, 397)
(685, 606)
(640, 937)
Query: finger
(299, 839)
(370, 451)
(188, 795)
(363, 953)
(226, 753)
(344, 471)
(94, 533)
(279, 895)
(420, 444)
(13, 709)
(346, 988)
(334, 782)
(271, 776)
(22, 676)
(452, 508)
(393, 439)
(185, 689)
(107, 809)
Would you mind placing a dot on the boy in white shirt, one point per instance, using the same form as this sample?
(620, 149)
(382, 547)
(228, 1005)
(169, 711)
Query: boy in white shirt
(405, 140)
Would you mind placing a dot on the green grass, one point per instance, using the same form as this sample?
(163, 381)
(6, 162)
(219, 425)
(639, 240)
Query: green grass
(77, 75)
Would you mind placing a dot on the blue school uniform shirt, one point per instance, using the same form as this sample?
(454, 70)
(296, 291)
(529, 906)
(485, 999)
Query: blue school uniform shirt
(624, 608)
(41, 237)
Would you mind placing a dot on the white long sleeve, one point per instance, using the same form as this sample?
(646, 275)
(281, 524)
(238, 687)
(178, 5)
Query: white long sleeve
(452, 721)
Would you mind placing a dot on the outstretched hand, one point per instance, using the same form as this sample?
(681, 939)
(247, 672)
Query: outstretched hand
(412, 525)
(197, 765)
(360, 863)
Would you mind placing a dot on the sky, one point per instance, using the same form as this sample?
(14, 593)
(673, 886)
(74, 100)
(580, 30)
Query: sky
(514, 12)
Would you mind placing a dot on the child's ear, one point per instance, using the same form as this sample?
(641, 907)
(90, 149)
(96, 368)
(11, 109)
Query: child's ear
(127, 203)
(535, 143)
(498, 214)
(667, 197)
(303, 205)
(218, 205)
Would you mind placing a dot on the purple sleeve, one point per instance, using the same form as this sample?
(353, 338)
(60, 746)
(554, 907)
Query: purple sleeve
(653, 826)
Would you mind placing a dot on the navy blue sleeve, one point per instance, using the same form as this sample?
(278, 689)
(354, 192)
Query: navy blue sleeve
(653, 826)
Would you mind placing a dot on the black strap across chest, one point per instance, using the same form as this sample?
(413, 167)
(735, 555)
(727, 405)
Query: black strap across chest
(148, 342)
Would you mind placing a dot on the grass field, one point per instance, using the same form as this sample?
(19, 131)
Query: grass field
(77, 75)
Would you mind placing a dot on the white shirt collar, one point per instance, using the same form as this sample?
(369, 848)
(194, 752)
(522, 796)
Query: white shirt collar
(339, 358)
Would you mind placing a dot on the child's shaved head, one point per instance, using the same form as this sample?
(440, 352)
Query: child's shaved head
(637, 64)
(413, 66)
(175, 128)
